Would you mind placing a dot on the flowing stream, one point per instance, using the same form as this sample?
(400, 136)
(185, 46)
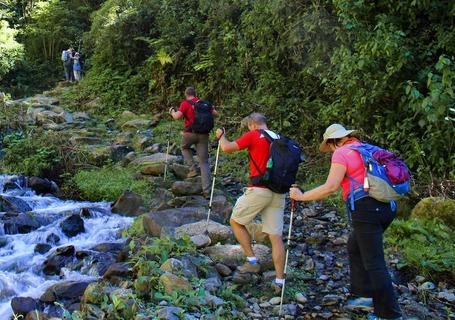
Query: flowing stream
(21, 268)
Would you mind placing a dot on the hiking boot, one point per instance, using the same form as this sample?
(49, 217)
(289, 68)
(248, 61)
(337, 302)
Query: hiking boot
(360, 304)
(276, 287)
(249, 268)
(372, 316)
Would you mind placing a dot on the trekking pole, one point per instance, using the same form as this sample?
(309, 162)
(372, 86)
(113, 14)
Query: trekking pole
(167, 150)
(215, 170)
(287, 251)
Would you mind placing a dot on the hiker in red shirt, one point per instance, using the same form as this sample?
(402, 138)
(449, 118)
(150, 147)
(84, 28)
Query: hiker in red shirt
(257, 199)
(192, 137)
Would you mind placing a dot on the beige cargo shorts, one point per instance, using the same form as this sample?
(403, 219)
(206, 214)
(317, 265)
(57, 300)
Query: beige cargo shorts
(261, 201)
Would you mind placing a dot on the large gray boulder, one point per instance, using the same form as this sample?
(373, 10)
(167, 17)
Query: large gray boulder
(217, 232)
(153, 223)
(233, 256)
(137, 124)
(42, 186)
(13, 204)
(73, 225)
(186, 188)
(14, 223)
(65, 291)
(129, 204)
(23, 305)
(154, 158)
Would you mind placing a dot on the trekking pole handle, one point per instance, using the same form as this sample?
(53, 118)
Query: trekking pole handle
(294, 185)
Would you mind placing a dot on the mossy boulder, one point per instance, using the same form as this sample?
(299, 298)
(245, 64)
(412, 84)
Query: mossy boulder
(435, 207)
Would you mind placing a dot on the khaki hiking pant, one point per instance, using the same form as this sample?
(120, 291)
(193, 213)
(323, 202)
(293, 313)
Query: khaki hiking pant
(201, 141)
(268, 204)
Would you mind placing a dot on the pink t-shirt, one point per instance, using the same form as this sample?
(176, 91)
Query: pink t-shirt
(354, 166)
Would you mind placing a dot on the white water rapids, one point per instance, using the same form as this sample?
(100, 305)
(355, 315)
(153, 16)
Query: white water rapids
(21, 268)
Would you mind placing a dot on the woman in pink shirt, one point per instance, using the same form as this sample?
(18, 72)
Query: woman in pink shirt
(370, 280)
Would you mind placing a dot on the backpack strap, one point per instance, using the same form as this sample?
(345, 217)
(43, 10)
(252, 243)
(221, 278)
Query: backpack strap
(269, 139)
(256, 165)
(268, 136)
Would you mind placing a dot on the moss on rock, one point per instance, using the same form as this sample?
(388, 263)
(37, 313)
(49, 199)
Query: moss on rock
(435, 207)
(137, 227)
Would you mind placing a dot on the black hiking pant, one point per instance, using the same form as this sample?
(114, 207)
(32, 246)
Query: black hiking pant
(369, 274)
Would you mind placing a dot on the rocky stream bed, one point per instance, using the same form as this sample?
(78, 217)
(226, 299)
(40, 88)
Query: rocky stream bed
(74, 253)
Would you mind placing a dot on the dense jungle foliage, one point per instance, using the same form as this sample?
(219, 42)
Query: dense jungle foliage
(385, 67)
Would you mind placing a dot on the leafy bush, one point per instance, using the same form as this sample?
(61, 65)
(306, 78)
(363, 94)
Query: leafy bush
(109, 183)
(10, 50)
(427, 247)
(27, 155)
(436, 208)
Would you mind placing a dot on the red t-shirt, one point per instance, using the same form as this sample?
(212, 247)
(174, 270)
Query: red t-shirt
(188, 111)
(258, 148)
(354, 166)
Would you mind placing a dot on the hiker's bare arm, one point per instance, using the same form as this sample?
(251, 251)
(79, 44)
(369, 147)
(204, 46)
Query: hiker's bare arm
(176, 114)
(226, 145)
(215, 113)
(332, 184)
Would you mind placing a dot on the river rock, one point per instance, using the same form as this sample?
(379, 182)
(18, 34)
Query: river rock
(119, 152)
(42, 186)
(60, 258)
(23, 305)
(222, 207)
(53, 238)
(117, 270)
(182, 265)
(70, 291)
(14, 223)
(233, 256)
(81, 116)
(156, 169)
(242, 278)
(154, 158)
(201, 240)
(447, 296)
(188, 201)
(153, 223)
(96, 291)
(129, 204)
(160, 200)
(109, 247)
(170, 313)
(301, 298)
(223, 269)
(172, 283)
(13, 204)
(137, 124)
(46, 116)
(185, 188)
(331, 299)
(73, 225)
(42, 248)
(216, 231)
(181, 171)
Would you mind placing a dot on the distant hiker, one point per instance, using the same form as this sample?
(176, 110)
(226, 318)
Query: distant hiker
(370, 217)
(257, 199)
(67, 59)
(77, 67)
(198, 117)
